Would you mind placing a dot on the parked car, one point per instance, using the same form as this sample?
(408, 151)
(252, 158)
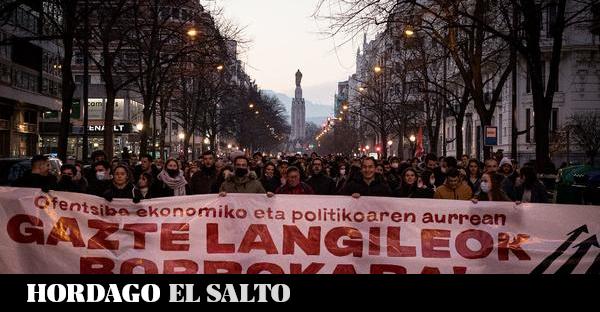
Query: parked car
(578, 185)
(11, 169)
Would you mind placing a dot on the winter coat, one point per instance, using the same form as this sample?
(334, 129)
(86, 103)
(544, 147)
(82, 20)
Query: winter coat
(321, 184)
(34, 180)
(300, 189)
(378, 187)
(246, 184)
(413, 192)
(270, 185)
(113, 192)
(538, 193)
(462, 192)
(203, 181)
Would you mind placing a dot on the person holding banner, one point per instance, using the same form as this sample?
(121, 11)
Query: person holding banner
(409, 188)
(491, 189)
(121, 186)
(243, 181)
(294, 186)
(173, 180)
(368, 183)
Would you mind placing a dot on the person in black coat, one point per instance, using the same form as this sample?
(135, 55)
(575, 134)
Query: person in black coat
(529, 189)
(270, 179)
(368, 184)
(100, 180)
(67, 182)
(409, 187)
(143, 189)
(318, 181)
(121, 186)
(39, 176)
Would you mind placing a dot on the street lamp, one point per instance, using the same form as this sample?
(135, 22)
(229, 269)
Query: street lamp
(206, 141)
(251, 105)
(377, 69)
(345, 107)
(220, 67)
(139, 126)
(181, 136)
(413, 138)
(409, 32)
(229, 146)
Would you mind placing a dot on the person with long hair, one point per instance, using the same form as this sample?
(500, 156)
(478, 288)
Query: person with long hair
(143, 189)
(270, 178)
(121, 186)
(474, 175)
(491, 188)
(172, 179)
(528, 188)
(409, 186)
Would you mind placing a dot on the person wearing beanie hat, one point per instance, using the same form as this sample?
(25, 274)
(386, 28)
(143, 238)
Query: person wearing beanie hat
(510, 177)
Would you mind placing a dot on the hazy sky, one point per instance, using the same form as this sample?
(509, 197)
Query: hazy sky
(284, 37)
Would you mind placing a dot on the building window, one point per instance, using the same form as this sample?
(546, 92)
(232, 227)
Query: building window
(4, 48)
(550, 19)
(528, 81)
(528, 125)
(554, 120)
(500, 133)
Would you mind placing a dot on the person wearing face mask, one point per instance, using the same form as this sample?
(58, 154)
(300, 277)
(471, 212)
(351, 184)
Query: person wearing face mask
(172, 180)
(67, 182)
(491, 188)
(318, 181)
(203, 181)
(100, 181)
(243, 180)
(270, 179)
(121, 186)
(342, 177)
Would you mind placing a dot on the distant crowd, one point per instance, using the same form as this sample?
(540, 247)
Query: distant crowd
(427, 177)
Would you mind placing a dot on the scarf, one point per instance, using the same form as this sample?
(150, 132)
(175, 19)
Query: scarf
(177, 184)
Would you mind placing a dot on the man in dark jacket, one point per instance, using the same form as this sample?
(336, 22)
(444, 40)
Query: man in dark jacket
(318, 181)
(369, 184)
(39, 177)
(100, 180)
(67, 182)
(204, 181)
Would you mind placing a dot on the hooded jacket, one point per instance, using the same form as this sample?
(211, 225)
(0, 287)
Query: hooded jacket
(246, 184)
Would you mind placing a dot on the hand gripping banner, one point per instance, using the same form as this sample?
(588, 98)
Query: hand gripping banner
(252, 234)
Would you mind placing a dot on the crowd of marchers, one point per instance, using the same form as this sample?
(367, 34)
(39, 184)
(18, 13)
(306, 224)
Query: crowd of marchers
(495, 179)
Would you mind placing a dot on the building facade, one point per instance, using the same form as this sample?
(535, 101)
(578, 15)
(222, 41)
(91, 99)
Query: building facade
(30, 79)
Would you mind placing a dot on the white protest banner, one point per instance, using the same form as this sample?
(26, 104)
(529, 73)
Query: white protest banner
(74, 233)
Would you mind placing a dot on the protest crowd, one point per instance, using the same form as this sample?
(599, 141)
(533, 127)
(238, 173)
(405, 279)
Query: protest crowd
(496, 179)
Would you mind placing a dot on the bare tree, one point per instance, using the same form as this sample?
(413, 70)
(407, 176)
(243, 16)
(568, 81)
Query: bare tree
(585, 131)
